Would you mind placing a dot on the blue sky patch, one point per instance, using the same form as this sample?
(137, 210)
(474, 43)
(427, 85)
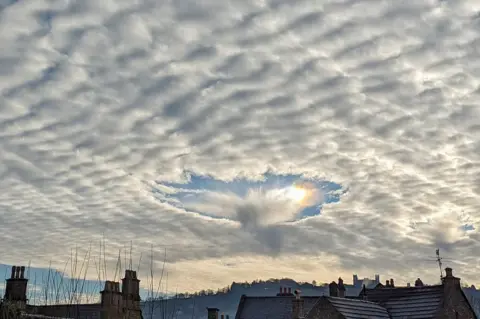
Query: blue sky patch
(197, 185)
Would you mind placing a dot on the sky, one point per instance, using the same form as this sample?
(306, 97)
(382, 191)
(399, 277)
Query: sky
(241, 139)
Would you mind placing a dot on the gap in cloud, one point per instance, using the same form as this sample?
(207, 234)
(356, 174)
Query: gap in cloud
(310, 194)
(468, 227)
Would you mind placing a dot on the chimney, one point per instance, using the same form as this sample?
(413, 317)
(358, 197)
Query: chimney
(16, 287)
(341, 288)
(212, 313)
(392, 284)
(111, 300)
(355, 280)
(377, 279)
(408, 285)
(298, 306)
(418, 283)
(451, 289)
(222, 316)
(450, 280)
(333, 289)
(131, 294)
(387, 283)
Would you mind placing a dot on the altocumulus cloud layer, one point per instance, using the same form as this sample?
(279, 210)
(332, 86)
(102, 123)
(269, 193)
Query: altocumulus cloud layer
(103, 102)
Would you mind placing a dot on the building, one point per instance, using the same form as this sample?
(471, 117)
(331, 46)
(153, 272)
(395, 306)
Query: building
(115, 303)
(359, 283)
(443, 301)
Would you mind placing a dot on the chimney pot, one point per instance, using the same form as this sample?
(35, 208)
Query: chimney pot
(387, 283)
(450, 280)
(392, 284)
(222, 316)
(448, 272)
(22, 272)
(14, 269)
(17, 272)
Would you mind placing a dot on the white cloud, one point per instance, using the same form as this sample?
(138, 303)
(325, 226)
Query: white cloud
(99, 100)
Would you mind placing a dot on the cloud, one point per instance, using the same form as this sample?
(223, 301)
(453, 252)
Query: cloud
(102, 103)
(261, 215)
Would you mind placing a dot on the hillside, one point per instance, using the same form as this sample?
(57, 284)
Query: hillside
(188, 307)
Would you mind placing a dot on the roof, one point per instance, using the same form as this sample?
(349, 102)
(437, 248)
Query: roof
(41, 317)
(271, 307)
(358, 309)
(409, 302)
(383, 303)
(67, 310)
(280, 307)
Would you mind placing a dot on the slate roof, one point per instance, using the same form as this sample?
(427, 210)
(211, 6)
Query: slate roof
(270, 307)
(408, 302)
(281, 307)
(358, 309)
(383, 303)
(41, 317)
(80, 311)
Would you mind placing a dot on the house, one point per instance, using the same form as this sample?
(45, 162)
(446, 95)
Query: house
(115, 303)
(443, 301)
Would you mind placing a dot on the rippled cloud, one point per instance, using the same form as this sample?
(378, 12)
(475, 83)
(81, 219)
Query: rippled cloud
(111, 113)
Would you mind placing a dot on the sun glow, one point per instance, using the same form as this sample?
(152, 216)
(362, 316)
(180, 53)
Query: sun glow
(296, 193)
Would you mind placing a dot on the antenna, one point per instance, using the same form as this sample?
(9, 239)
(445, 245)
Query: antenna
(439, 261)
(131, 244)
